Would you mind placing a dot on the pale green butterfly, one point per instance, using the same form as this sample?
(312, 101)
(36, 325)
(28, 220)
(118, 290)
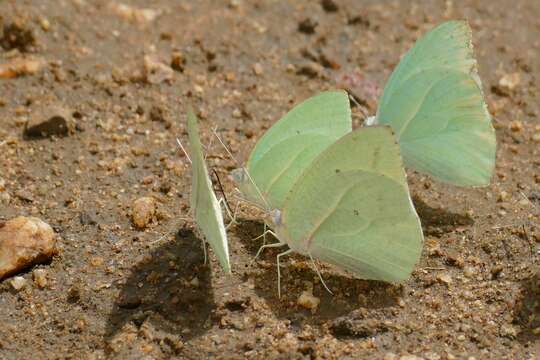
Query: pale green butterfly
(349, 203)
(434, 103)
(203, 201)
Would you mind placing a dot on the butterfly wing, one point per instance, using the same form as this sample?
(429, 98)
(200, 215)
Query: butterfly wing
(290, 145)
(434, 103)
(352, 208)
(203, 199)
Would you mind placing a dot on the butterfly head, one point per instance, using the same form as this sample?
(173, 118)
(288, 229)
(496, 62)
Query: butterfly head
(275, 216)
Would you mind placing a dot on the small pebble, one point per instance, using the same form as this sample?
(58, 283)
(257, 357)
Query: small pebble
(257, 69)
(307, 26)
(47, 121)
(143, 210)
(18, 282)
(469, 271)
(178, 62)
(155, 71)
(309, 301)
(444, 278)
(508, 82)
(329, 6)
(45, 24)
(503, 196)
(133, 14)
(40, 278)
(516, 126)
(17, 35)
(21, 67)
(508, 331)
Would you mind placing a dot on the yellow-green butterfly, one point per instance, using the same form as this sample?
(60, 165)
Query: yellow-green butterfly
(434, 103)
(333, 194)
(203, 201)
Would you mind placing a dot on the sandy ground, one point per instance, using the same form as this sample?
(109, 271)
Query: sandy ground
(114, 291)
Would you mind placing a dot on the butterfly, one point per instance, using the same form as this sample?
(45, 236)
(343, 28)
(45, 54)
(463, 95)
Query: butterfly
(203, 201)
(434, 103)
(334, 194)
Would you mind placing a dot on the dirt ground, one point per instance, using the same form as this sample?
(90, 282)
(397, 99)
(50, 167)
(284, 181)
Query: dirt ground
(117, 292)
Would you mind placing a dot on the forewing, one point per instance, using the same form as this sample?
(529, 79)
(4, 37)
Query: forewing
(204, 203)
(352, 208)
(434, 103)
(448, 46)
(291, 144)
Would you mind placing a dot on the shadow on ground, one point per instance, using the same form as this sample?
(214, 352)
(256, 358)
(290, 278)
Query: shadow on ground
(438, 221)
(528, 311)
(341, 309)
(169, 292)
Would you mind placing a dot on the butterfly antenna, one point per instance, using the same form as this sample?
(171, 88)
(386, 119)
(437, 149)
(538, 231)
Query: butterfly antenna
(319, 273)
(361, 107)
(184, 150)
(221, 190)
(209, 145)
(243, 168)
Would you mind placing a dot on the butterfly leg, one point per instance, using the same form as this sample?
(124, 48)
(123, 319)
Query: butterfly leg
(231, 216)
(279, 271)
(263, 235)
(278, 244)
(319, 273)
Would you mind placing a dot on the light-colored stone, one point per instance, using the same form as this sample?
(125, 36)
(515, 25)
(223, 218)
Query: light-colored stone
(156, 71)
(21, 67)
(258, 69)
(143, 210)
(309, 301)
(444, 278)
(24, 241)
(509, 82)
(40, 278)
(509, 331)
(134, 14)
(503, 196)
(410, 357)
(516, 126)
(18, 283)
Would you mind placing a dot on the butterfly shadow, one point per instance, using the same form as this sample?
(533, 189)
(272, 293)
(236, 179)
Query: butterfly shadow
(528, 311)
(169, 291)
(345, 309)
(437, 221)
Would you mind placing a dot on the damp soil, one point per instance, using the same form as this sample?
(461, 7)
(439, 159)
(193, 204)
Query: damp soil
(118, 292)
